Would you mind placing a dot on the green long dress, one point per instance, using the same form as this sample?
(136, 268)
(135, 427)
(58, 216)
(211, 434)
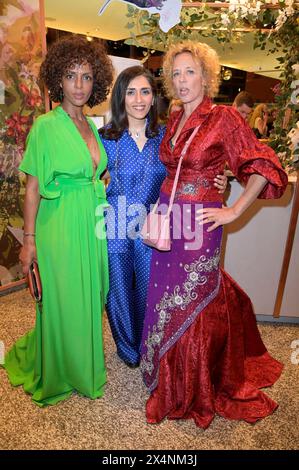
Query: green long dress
(64, 352)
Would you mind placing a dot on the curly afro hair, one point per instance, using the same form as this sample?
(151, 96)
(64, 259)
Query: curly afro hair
(76, 50)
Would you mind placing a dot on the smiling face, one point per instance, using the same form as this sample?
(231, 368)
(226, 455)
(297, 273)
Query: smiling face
(188, 80)
(139, 99)
(77, 85)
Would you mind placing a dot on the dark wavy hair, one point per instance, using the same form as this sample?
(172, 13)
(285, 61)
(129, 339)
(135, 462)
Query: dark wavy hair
(76, 50)
(119, 119)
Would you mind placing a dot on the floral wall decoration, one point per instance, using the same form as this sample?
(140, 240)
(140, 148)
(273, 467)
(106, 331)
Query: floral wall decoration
(276, 27)
(20, 102)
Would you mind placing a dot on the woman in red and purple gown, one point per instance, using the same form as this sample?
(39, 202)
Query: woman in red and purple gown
(202, 353)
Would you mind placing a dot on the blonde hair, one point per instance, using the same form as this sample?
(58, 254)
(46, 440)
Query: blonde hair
(257, 112)
(204, 55)
(174, 103)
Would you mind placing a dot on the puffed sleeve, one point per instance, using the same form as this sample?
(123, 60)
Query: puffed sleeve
(35, 161)
(248, 156)
(29, 163)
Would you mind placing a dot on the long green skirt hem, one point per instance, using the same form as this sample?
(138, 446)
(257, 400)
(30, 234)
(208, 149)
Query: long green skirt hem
(47, 386)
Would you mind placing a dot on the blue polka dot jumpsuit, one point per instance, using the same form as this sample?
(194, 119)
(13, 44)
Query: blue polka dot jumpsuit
(136, 177)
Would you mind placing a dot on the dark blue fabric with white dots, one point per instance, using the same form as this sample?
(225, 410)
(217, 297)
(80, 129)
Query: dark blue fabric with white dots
(136, 178)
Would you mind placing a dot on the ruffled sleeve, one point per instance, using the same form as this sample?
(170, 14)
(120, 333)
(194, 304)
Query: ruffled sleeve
(29, 163)
(248, 156)
(35, 160)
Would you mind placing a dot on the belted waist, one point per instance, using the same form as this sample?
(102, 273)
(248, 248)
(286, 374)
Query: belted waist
(64, 182)
(190, 181)
(60, 181)
(190, 178)
(199, 188)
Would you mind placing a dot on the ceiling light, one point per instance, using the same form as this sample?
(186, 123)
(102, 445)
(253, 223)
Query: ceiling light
(226, 74)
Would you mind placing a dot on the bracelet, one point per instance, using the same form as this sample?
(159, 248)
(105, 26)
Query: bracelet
(29, 234)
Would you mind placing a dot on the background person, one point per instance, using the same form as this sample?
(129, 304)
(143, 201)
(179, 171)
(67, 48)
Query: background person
(174, 105)
(272, 116)
(244, 104)
(258, 121)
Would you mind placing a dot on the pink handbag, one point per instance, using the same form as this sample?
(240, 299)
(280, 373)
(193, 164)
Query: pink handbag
(156, 228)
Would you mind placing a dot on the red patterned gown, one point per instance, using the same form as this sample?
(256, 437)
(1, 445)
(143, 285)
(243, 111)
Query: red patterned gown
(201, 350)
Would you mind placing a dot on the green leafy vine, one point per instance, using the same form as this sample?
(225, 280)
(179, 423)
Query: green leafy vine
(228, 23)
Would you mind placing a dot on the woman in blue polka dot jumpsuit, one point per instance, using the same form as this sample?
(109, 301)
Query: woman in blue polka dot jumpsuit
(132, 140)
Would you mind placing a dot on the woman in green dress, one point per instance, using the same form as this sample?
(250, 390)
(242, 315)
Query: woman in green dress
(65, 163)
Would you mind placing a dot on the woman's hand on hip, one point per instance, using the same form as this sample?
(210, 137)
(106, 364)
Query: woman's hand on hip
(215, 216)
(220, 182)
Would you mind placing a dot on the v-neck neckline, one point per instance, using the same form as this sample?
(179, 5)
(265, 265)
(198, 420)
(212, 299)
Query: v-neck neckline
(94, 169)
(197, 116)
(135, 143)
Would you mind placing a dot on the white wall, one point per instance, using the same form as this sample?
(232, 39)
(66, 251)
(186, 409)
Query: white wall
(254, 248)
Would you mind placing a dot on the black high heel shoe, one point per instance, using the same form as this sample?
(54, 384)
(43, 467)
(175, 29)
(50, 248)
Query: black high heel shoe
(131, 365)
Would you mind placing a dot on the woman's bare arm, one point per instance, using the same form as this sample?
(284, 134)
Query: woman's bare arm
(226, 215)
(31, 204)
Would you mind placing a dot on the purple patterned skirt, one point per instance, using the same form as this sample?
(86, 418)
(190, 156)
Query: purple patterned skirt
(182, 283)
